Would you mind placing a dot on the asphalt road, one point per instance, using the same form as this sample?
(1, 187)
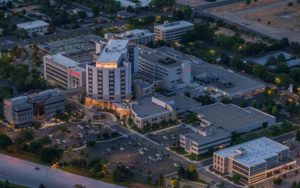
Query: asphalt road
(23, 172)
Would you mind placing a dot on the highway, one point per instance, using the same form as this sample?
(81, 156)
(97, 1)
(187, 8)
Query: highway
(23, 172)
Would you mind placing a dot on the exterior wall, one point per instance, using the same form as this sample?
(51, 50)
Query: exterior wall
(152, 120)
(42, 30)
(109, 84)
(192, 146)
(171, 34)
(61, 76)
(249, 174)
(169, 76)
(21, 113)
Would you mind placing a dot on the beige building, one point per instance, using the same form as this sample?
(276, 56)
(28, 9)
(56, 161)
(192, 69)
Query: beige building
(151, 111)
(172, 31)
(254, 161)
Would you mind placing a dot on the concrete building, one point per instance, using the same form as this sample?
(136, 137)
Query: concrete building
(172, 31)
(159, 66)
(64, 72)
(108, 80)
(22, 111)
(254, 161)
(150, 111)
(233, 118)
(216, 81)
(139, 36)
(204, 138)
(38, 27)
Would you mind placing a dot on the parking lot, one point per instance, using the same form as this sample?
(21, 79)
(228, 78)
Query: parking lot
(141, 157)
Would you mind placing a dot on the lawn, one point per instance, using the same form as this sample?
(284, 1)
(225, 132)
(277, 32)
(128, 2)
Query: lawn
(179, 150)
(272, 131)
(11, 185)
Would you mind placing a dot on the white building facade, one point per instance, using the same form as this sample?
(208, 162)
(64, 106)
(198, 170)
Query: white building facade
(38, 27)
(63, 72)
(172, 31)
(109, 79)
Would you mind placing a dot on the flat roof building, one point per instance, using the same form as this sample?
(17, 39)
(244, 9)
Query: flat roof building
(204, 138)
(172, 31)
(38, 27)
(139, 36)
(22, 111)
(254, 160)
(150, 111)
(217, 81)
(173, 73)
(108, 80)
(233, 118)
(64, 72)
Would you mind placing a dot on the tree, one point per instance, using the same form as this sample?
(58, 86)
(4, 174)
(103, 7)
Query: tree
(175, 183)
(160, 180)
(254, 103)
(275, 110)
(121, 173)
(236, 178)
(91, 144)
(277, 181)
(298, 135)
(50, 154)
(5, 141)
(294, 184)
(258, 70)
(42, 186)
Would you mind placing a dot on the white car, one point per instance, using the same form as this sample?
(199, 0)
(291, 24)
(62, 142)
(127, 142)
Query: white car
(122, 149)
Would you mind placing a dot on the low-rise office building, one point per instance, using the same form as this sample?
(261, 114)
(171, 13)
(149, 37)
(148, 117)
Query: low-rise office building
(22, 111)
(63, 71)
(139, 36)
(233, 118)
(254, 161)
(151, 111)
(38, 27)
(204, 138)
(159, 66)
(172, 31)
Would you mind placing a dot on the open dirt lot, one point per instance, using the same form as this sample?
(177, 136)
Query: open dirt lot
(274, 18)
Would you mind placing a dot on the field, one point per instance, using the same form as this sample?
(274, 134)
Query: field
(274, 18)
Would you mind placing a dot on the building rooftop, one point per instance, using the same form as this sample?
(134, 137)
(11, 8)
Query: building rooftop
(167, 26)
(145, 107)
(182, 102)
(135, 33)
(254, 152)
(113, 51)
(217, 134)
(158, 57)
(62, 60)
(262, 60)
(231, 117)
(231, 83)
(34, 24)
(72, 45)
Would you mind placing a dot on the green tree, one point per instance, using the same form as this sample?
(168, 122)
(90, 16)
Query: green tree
(258, 70)
(275, 110)
(277, 181)
(91, 144)
(5, 141)
(298, 135)
(50, 154)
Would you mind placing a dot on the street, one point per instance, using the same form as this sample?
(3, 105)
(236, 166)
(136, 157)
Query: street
(23, 172)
